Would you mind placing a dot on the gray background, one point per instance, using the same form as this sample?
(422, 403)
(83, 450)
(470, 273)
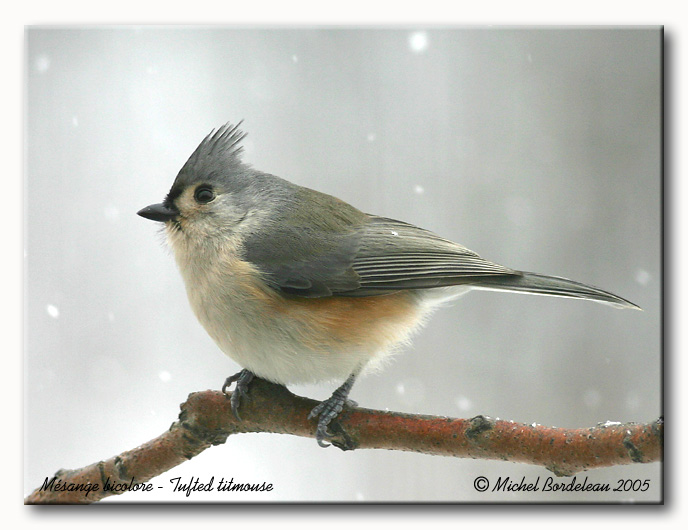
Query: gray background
(538, 148)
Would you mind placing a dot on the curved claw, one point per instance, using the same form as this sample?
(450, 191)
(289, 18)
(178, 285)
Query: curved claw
(229, 381)
(329, 409)
(326, 411)
(321, 434)
(242, 379)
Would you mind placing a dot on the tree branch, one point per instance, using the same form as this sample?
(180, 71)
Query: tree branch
(206, 419)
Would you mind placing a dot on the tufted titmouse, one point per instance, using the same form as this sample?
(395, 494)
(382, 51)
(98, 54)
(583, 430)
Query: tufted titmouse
(298, 286)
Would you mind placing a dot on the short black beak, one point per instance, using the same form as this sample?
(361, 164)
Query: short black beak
(158, 212)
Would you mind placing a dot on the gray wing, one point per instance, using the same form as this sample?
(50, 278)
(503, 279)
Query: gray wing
(305, 263)
(372, 258)
(394, 255)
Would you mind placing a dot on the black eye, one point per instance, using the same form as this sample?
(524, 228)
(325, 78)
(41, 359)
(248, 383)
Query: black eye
(204, 194)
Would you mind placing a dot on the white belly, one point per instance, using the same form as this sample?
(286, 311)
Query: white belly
(299, 340)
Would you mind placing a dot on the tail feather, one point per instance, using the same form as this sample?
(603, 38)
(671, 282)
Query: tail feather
(533, 283)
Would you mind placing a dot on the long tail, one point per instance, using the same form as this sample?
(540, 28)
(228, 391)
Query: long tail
(533, 283)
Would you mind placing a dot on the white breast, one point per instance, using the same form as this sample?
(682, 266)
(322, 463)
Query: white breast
(272, 344)
(279, 341)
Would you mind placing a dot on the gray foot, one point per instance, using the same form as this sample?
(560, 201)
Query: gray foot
(242, 379)
(330, 409)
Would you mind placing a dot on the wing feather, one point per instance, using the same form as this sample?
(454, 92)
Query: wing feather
(398, 255)
(369, 256)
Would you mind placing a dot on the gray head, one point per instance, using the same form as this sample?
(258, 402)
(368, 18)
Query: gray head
(216, 161)
(215, 191)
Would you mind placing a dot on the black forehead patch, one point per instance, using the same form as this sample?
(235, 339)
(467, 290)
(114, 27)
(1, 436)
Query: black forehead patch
(172, 195)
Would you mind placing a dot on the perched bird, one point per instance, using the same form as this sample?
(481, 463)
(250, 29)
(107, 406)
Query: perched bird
(298, 286)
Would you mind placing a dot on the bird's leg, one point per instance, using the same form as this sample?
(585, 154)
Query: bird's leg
(330, 408)
(242, 379)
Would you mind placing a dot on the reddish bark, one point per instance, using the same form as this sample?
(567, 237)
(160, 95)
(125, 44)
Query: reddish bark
(206, 419)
